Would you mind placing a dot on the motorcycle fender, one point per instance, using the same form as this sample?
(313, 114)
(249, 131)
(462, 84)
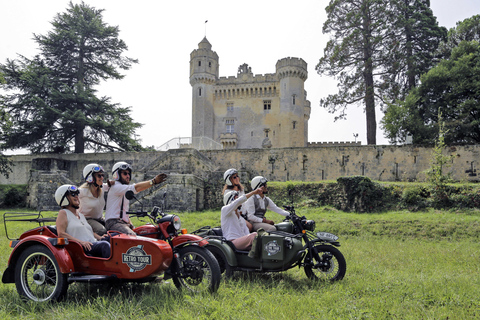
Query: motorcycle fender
(226, 249)
(334, 243)
(188, 238)
(61, 254)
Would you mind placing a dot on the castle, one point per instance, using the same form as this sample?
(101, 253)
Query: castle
(249, 111)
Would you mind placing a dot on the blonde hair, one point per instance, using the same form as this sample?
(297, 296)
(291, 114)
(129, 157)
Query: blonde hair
(91, 187)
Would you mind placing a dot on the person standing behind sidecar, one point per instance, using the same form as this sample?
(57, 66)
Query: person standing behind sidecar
(92, 200)
(232, 183)
(234, 227)
(72, 225)
(257, 206)
(117, 205)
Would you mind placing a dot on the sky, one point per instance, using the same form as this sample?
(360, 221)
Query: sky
(162, 34)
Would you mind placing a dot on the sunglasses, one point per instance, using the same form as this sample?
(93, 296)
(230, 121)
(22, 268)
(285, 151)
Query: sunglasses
(125, 173)
(72, 191)
(235, 177)
(99, 175)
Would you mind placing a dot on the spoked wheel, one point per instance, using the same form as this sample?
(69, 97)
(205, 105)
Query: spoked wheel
(199, 270)
(38, 277)
(328, 264)
(222, 261)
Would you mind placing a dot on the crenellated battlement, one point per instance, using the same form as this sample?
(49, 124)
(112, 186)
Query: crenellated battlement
(292, 67)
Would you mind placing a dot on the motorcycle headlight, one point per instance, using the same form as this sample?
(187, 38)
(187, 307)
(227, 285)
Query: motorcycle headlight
(176, 222)
(309, 225)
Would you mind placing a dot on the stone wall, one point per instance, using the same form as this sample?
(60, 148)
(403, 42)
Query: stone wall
(195, 178)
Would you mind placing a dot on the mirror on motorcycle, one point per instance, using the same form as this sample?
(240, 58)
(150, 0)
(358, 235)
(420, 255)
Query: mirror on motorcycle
(290, 195)
(130, 195)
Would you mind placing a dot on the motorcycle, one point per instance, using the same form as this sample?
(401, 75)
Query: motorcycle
(293, 244)
(42, 265)
(194, 267)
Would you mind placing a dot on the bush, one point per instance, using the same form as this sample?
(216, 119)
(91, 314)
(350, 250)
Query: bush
(415, 197)
(12, 196)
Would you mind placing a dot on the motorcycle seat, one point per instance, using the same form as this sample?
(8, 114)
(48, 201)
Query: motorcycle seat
(217, 231)
(53, 229)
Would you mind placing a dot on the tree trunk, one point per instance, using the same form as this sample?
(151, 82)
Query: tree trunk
(79, 140)
(368, 77)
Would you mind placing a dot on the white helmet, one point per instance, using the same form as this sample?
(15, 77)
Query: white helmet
(120, 166)
(63, 191)
(89, 170)
(228, 197)
(228, 174)
(258, 181)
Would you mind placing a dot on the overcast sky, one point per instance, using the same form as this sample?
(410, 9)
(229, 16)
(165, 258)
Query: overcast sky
(162, 34)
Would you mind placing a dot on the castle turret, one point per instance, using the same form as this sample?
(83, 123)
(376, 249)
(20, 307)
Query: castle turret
(203, 75)
(292, 73)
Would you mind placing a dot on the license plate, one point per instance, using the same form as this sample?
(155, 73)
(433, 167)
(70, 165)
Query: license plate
(327, 236)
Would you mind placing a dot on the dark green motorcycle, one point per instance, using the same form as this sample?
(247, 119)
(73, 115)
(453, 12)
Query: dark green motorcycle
(293, 244)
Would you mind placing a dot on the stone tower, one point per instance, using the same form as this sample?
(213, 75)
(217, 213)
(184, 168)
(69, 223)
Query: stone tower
(249, 111)
(203, 76)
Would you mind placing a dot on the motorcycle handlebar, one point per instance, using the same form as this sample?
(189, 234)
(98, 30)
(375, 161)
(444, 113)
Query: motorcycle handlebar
(137, 213)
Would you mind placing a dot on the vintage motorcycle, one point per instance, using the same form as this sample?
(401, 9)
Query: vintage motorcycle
(293, 244)
(42, 265)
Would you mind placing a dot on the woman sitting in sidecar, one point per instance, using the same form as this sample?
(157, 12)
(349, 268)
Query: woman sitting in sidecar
(74, 226)
(234, 227)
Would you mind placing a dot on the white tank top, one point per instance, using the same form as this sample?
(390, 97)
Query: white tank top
(79, 228)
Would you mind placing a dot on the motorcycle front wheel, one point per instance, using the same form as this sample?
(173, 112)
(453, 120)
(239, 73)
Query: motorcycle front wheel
(38, 277)
(328, 264)
(198, 271)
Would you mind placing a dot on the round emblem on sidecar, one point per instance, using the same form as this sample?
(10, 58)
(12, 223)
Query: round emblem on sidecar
(272, 247)
(136, 258)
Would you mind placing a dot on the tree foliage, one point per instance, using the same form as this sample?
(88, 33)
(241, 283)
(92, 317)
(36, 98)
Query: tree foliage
(466, 30)
(377, 51)
(452, 87)
(416, 36)
(52, 101)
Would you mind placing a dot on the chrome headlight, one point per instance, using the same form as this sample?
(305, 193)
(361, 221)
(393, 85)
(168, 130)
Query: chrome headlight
(176, 222)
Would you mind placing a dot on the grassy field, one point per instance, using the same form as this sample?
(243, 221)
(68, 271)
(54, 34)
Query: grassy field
(400, 265)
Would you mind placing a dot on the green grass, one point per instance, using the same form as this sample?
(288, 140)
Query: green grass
(400, 265)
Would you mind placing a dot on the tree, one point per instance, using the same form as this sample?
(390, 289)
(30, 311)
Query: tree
(5, 163)
(452, 87)
(411, 52)
(378, 50)
(53, 104)
(466, 30)
(353, 54)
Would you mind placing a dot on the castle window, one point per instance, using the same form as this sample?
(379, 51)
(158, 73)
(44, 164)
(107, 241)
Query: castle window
(209, 64)
(229, 106)
(267, 104)
(199, 63)
(199, 92)
(294, 124)
(293, 99)
(266, 132)
(230, 126)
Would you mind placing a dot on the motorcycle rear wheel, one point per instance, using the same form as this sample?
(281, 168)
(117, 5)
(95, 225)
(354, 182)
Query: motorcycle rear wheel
(328, 264)
(38, 277)
(199, 270)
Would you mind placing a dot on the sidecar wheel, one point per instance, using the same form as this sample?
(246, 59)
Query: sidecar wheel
(38, 277)
(328, 264)
(222, 261)
(198, 270)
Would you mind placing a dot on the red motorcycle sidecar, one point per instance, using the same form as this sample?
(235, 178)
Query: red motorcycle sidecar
(42, 265)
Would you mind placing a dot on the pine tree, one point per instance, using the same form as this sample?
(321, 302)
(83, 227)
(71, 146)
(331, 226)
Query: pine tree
(52, 100)
(355, 55)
